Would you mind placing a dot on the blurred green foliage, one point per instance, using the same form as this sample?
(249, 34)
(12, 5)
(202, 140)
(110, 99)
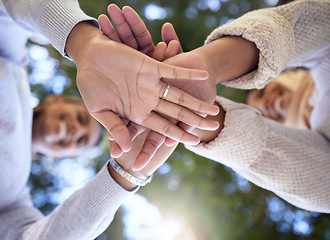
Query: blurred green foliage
(216, 203)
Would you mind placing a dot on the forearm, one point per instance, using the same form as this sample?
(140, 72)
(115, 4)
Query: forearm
(229, 57)
(280, 35)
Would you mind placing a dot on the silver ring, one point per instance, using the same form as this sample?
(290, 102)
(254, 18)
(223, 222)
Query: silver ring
(166, 91)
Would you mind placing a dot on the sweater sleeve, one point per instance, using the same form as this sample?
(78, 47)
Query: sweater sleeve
(84, 215)
(295, 34)
(52, 18)
(292, 163)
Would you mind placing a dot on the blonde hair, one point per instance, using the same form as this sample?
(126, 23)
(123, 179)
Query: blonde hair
(300, 82)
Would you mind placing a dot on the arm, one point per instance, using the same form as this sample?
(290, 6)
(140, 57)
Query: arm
(71, 31)
(87, 212)
(287, 36)
(263, 151)
(290, 162)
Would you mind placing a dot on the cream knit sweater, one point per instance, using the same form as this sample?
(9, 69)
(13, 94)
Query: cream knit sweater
(293, 163)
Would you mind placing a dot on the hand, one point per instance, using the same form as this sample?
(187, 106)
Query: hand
(225, 59)
(127, 160)
(114, 78)
(125, 21)
(205, 91)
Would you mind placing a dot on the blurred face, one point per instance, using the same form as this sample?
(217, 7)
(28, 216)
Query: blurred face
(273, 101)
(64, 130)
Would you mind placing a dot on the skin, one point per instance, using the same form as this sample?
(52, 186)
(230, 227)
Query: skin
(128, 160)
(273, 101)
(132, 90)
(64, 130)
(224, 59)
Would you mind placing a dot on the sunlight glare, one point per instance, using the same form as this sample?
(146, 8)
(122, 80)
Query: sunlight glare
(144, 221)
(154, 12)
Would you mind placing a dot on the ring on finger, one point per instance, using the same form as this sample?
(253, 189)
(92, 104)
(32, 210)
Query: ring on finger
(166, 91)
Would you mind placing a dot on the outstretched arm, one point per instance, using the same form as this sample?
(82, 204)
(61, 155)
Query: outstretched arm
(113, 78)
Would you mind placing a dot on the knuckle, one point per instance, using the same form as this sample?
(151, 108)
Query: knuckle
(181, 114)
(181, 99)
(152, 143)
(141, 34)
(175, 73)
(166, 129)
(117, 128)
(129, 38)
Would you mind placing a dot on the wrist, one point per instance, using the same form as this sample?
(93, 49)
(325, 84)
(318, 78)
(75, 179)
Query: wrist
(78, 39)
(126, 176)
(129, 186)
(229, 57)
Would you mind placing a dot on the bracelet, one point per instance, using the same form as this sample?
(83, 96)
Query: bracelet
(128, 176)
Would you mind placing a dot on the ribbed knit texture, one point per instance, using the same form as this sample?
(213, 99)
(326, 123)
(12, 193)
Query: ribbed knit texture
(89, 211)
(293, 163)
(52, 18)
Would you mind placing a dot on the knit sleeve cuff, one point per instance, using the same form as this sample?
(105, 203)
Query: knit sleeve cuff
(241, 140)
(273, 36)
(58, 18)
(104, 186)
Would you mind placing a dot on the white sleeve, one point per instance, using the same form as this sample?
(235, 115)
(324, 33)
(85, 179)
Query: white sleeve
(52, 18)
(84, 215)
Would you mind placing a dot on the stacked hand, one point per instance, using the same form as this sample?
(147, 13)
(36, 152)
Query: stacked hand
(118, 82)
(132, 32)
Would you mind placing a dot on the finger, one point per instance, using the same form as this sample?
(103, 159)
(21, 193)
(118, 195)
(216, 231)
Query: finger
(184, 115)
(116, 151)
(170, 142)
(107, 28)
(169, 34)
(110, 137)
(159, 51)
(139, 29)
(153, 141)
(163, 126)
(125, 121)
(134, 130)
(115, 127)
(173, 72)
(181, 98)
(173, 49)
(123, 29)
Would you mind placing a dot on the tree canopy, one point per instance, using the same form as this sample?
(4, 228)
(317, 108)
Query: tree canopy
(211, 200)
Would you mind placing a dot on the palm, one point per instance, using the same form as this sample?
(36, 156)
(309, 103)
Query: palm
(114, 88)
